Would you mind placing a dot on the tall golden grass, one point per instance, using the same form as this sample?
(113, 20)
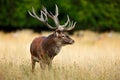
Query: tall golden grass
(94, 56)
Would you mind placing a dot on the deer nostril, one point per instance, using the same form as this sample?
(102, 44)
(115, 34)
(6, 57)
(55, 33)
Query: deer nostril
(73, 41)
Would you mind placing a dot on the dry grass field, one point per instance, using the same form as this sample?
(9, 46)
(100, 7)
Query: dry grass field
(93, 56)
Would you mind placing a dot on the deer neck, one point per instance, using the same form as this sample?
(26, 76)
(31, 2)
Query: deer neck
(53, 41)
(51, 45)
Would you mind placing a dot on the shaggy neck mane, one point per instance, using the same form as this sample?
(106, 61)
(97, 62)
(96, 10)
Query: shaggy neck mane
(51, 46)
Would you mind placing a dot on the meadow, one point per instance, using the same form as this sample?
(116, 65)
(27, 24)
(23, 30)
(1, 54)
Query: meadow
(93, 56)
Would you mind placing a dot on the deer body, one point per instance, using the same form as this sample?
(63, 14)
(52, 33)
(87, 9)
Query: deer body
(44, 49)
(42, 46)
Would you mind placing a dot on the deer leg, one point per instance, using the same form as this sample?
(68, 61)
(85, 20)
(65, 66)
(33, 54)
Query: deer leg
(33, 64)
(50, 64)
(42, 65)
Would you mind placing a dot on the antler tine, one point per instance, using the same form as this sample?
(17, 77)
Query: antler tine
(31, 13)
(70, 26)
(56, 16)
(56, 11)
(68, 20)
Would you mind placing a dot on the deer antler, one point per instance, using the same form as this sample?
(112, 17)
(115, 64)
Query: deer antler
(70, 26)
(53, 17)
(44, 13)
(41, 18)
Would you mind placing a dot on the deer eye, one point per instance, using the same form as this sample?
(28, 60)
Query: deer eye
(63, 36)
(58, 32)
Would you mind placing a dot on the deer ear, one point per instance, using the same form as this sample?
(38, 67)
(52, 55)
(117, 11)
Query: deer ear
(56, 34)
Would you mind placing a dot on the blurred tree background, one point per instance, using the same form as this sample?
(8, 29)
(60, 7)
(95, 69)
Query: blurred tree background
(97, 15)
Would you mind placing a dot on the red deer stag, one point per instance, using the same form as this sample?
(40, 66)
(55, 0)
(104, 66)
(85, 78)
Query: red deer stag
(44, 49)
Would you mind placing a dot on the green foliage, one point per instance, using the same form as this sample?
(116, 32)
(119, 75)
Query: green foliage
(14, 13)
(98, 15)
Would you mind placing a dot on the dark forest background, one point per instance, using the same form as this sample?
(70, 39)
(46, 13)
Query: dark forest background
(96, 15)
